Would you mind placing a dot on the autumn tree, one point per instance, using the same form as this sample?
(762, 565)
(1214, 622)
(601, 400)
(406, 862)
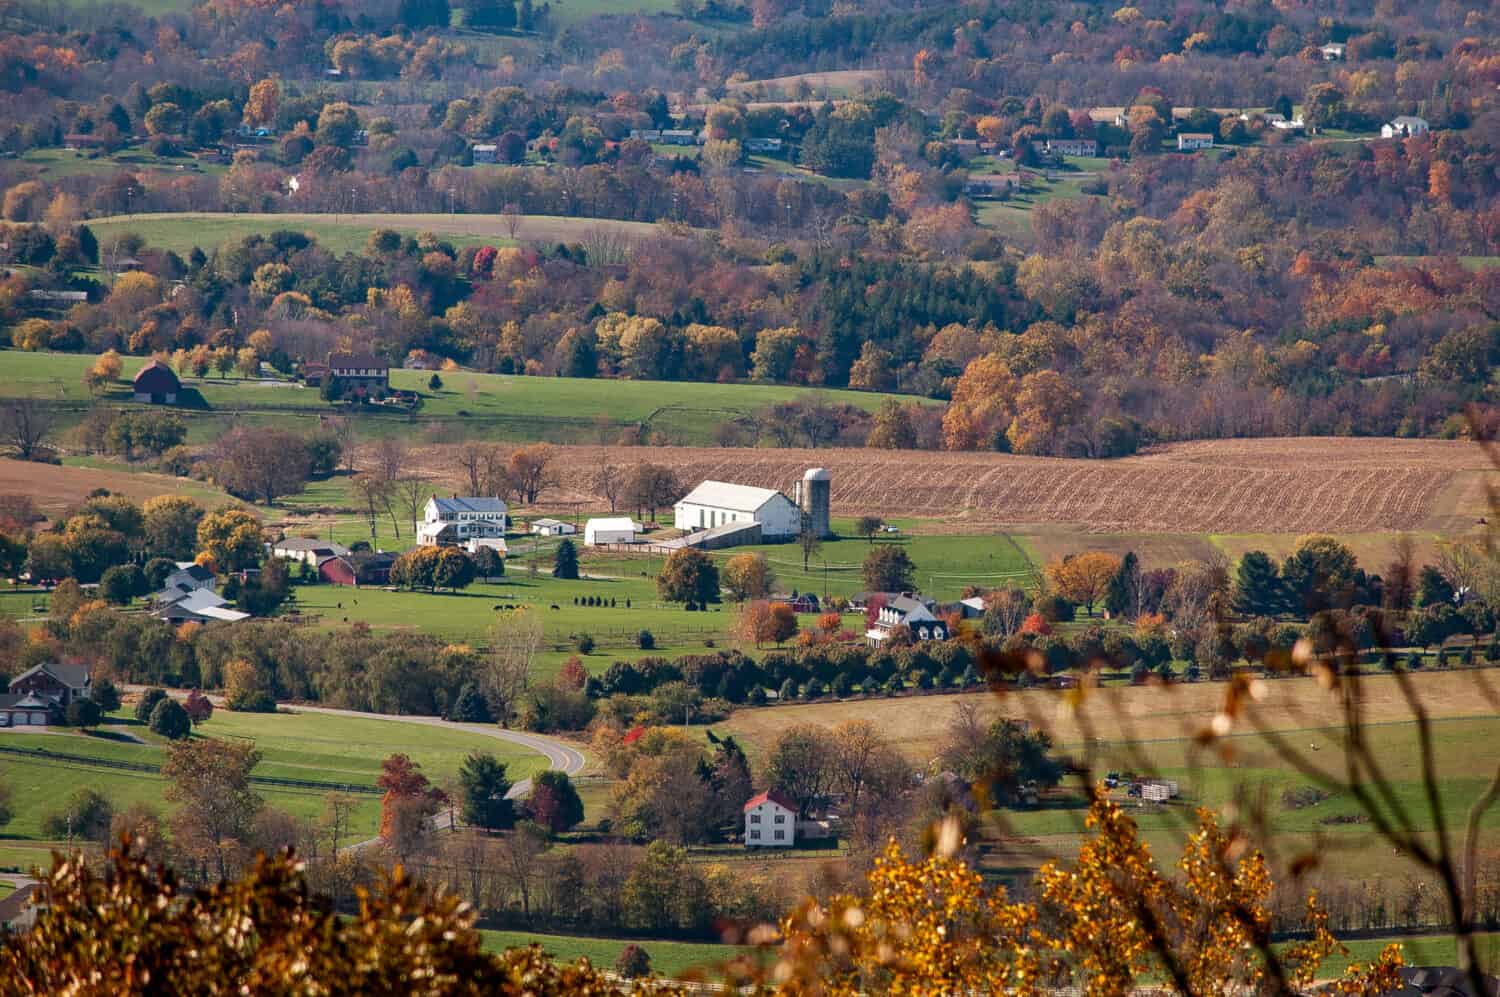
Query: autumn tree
(530, 471)
(652, 486)
(169, 526)
(748, 576)
(895, 426)
(410, 800)
(887, 568)
(983, 407)
(554, 803)
(230, 539)
(208, 780)
(690, 576)
(25, 425)
(801, 764)
(1083, 578)
(262, 464)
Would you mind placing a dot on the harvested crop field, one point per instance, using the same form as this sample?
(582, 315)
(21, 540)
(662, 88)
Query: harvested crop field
(1234, 486)
(55, 488)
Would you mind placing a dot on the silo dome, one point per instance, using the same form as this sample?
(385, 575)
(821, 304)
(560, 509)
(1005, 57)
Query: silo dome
(817, 474)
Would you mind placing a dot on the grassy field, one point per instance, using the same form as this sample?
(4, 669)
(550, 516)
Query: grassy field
(56, 164)
(1012, 217)
(182, 231)
(304, 746)
(469, 405)
(1151, 730)
(667, 958)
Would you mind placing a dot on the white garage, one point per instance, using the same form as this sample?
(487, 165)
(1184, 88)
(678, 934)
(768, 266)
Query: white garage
(610, 530)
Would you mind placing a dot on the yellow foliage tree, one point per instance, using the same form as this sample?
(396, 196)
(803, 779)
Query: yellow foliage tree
(982, 408)
(1083, 578)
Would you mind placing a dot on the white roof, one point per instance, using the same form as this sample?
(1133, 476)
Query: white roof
(548, 522)
(223, 613)
(623, 523)
(973, 602)
(736, 498)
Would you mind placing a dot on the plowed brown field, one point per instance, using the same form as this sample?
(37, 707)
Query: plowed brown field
(1235, 486)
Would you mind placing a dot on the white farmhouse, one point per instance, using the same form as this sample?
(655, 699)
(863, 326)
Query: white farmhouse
(770, 821)
(1405, 126)
(455, 521)
(719, 503)
(905, 611)
(610, 530)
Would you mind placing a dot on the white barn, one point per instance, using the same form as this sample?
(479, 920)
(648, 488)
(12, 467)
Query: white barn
(770, 821)
(610, 530)
(717, 503)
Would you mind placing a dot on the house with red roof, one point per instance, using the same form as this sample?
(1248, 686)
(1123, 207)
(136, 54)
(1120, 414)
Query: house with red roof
(770, 820)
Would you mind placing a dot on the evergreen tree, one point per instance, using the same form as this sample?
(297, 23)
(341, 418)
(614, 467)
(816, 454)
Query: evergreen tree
(490, 15)
(485, 786)
(1258, 589)
(470, 706)
(527, 16)
(1120, 597)
(565, 564)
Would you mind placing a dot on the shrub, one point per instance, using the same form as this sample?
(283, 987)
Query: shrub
(1414, 661)
(757, 696)
(252, 701)
(584, 644)
(645, 640)
(84, 713)
(106, 695)
(633, 963)
(170, 720)
(147, 704)
(198, 706)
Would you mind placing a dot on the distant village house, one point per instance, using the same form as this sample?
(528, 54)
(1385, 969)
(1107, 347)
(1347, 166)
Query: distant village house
(456, 522)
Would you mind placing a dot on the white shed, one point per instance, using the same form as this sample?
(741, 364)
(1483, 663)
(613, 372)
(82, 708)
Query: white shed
(552, 528)
(717, 503)
(610, 530)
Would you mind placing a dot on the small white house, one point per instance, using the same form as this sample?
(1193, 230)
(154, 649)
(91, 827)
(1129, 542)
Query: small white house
(1333, 52)
(770, 821)
(454, 521)
(1405, 126)
(1192, 141)
(610, 530)
(552, 528)
(308, 550)
(718, 503)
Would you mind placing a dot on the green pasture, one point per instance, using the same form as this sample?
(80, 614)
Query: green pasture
(317, 748)
(182, 233)
(347, 232)
(1012, 217)
(667, 958)
(468, 405)
(1255, 775)
(58, 164)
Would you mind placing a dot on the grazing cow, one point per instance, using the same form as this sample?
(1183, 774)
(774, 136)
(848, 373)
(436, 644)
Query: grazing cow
(554, 605)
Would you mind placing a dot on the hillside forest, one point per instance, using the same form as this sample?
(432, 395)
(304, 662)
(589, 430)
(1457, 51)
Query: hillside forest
(1318, 279)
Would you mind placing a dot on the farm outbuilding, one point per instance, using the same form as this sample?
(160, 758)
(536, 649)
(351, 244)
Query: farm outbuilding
(156, 384)
(610, 530)
(552, 528)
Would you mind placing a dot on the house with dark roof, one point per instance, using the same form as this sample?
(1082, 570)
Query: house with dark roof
(907, 611)
(157, 384)
(357, 375)
(770, 820)
(38, 696)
